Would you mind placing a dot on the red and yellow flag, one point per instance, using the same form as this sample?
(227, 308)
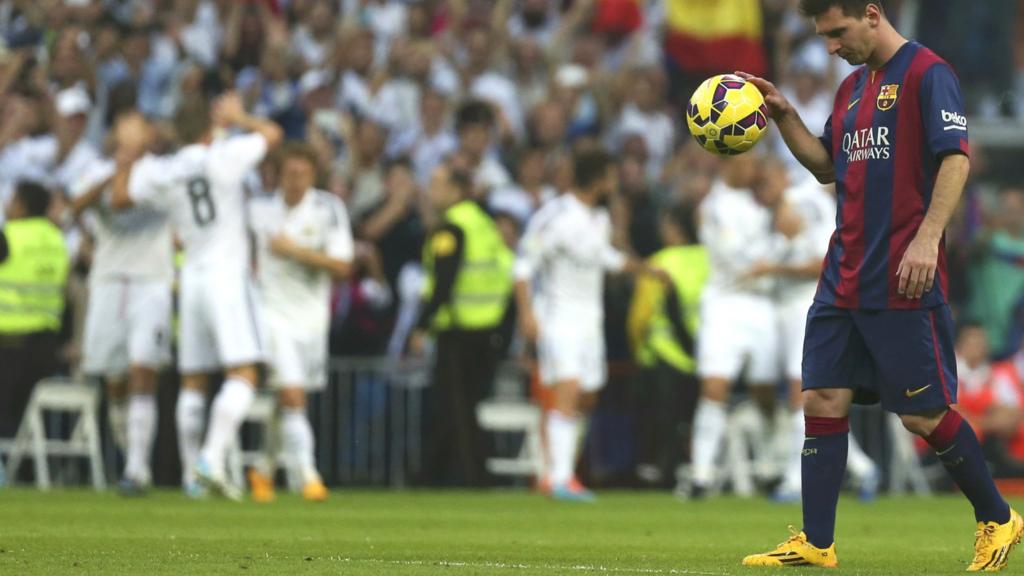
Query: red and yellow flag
(715, 36)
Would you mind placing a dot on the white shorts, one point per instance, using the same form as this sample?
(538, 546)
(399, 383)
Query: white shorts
(296, 360)
(738, 329)
(568, 352)
(221, 326)
(127, 323)
(792, 323)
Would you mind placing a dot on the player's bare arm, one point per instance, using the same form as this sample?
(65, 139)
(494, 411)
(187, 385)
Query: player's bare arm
(285, 247)
(82, 203)
(638, 267)
(916, 272)
(230, 111)
(527, 321)
(805, 146)
(133, 136)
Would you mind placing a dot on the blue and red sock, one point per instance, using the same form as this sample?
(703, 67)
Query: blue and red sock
(957, 447)
(826, 442)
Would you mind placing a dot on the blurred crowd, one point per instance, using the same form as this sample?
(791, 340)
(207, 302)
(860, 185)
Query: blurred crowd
(387, 90)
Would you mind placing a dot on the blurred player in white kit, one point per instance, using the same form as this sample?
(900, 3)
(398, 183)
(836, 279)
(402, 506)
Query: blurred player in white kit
(201, 188)
(738, 317)
(127, 322)
(304, 241)
(796, 271)
(563, 257)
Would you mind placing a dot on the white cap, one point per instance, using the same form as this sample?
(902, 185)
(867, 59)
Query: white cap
(72, 101)
(572, 76)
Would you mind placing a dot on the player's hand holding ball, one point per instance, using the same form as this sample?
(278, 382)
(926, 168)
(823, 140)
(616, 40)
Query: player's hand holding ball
(776, 103)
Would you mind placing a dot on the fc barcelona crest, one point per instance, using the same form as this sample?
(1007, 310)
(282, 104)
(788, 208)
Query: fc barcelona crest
(887, 96)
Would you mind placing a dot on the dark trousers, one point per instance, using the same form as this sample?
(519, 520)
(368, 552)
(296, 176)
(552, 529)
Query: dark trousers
(24, 360)
(665, 400)
(463, 375)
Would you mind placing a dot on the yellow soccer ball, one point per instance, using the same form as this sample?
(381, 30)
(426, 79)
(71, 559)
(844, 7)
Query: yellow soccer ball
(727, 115)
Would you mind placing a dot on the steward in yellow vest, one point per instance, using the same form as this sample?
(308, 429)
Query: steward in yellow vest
(33, 272)
(469, 281)
(662, 326)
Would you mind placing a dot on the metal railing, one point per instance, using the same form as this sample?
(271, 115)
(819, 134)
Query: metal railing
(369, 421)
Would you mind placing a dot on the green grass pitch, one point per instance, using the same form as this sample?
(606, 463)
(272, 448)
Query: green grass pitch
(460, 533)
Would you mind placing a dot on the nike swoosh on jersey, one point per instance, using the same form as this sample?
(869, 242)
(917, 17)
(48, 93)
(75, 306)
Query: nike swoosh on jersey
(852, 104)
(912, 393)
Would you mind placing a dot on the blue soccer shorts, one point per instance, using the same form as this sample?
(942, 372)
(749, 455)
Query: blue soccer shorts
(904, 358)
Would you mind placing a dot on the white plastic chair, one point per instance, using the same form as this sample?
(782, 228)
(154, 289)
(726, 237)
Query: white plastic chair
(514, 416)
(59, 395)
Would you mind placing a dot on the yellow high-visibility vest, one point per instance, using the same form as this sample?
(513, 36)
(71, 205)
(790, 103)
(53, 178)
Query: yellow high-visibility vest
(32, 277)
(483, 282)
(688, 267)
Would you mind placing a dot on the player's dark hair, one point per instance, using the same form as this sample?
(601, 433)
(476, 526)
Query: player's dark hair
(589, 166)
(401, 162)
(192, 119)
(300, 150)
(461, 179)
(966, 324)
(472, 113)
(683, 215)
(34, 197)
(852, 8)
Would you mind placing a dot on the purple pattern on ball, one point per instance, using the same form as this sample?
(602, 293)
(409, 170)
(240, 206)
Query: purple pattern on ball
(732, 84)
(720, 92)
(749, 120)
(761, 120)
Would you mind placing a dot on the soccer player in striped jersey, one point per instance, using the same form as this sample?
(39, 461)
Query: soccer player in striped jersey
(896, 148)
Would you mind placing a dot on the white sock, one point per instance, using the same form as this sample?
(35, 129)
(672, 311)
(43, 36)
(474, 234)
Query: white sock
(857, 462)
(297, 436)
(229, 409)
(563, 437)
(117, 417)
(141, 431)
(792, 480)
(708, 431)
(190, 416)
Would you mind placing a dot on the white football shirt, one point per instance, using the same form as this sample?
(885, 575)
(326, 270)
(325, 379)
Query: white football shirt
(130, 244)
(565, 251)
(201, 188)
(817, 209)
(737, 232)
(296, 294)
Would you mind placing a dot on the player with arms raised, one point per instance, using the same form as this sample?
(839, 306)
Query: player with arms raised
(128, 319)
(200, 186)
(896, 148)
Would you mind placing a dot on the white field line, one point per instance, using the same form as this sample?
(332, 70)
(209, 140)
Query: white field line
(580, 568)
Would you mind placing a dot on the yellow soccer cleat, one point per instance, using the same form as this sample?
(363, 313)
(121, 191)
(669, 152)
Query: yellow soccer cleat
(314, 491)
(993, 542)
(796, 551)
(261, 487)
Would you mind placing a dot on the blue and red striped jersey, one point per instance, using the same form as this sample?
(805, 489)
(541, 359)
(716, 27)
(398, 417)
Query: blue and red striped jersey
(887, 134)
